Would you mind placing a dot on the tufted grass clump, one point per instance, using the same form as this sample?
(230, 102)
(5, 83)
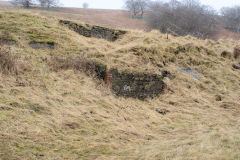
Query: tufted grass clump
(7, 62)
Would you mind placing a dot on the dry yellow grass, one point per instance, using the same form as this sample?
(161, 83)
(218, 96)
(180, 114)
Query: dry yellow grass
(108, 18)
(67, 115)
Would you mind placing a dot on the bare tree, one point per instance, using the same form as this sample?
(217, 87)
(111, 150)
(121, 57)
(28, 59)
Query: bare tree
(231, 18)
(48, 3)
(137, 7)
(42, 3)
(24, 3)
(85, 5)
(187, 17)
(143, 4)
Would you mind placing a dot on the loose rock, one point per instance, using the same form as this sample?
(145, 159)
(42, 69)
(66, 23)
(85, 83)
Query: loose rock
(94, 31)
(226, 54)
(236, 66)
(162, 111)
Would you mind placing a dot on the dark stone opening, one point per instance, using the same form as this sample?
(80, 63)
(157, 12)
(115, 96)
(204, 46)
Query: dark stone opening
(94, 31)
(7, 41)
(126, 84)
(99, 69)
(136, 85)
(40, 45)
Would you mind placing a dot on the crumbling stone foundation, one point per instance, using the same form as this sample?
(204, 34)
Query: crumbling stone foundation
(94, 31)
(7, 42)
(40, 45)
(126, 84)
(136, 85)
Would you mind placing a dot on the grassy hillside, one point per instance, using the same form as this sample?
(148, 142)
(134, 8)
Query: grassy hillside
(65, 113)
(107, 18)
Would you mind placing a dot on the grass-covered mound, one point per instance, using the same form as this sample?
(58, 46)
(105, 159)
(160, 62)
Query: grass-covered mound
(61, 111)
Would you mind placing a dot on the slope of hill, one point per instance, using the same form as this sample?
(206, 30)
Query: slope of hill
(108, 18)
(53, 108)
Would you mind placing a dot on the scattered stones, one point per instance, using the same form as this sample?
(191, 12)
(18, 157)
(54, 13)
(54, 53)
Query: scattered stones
(236, 66)
(94, 31)
(162, 111)
(192, 72)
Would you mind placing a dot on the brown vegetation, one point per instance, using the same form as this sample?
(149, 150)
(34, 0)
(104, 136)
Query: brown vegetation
(118, 19)
(7, 61)
(54, 113)
(183, 18)
(70, 62)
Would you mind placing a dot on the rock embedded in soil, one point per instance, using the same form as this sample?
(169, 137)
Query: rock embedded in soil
(94, 31)
(136, 85)
(236, 66)
(40, 45)
(162, 111)
(129, 84)
(7, 41)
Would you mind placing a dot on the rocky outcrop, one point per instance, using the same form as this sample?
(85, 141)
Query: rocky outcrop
(94, 31)
(236, 66)
(129, 84)
(136, 85)
(124, 84)
(7, 41)
(40, 45)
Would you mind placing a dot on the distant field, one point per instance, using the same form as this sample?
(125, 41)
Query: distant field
(120, 19)
(4, 3)
(108, 18)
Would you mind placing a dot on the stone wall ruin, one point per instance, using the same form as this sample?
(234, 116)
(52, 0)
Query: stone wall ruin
(136, 85)
(127, 84)
(40, 45)
(94, 31)
(7, 41)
